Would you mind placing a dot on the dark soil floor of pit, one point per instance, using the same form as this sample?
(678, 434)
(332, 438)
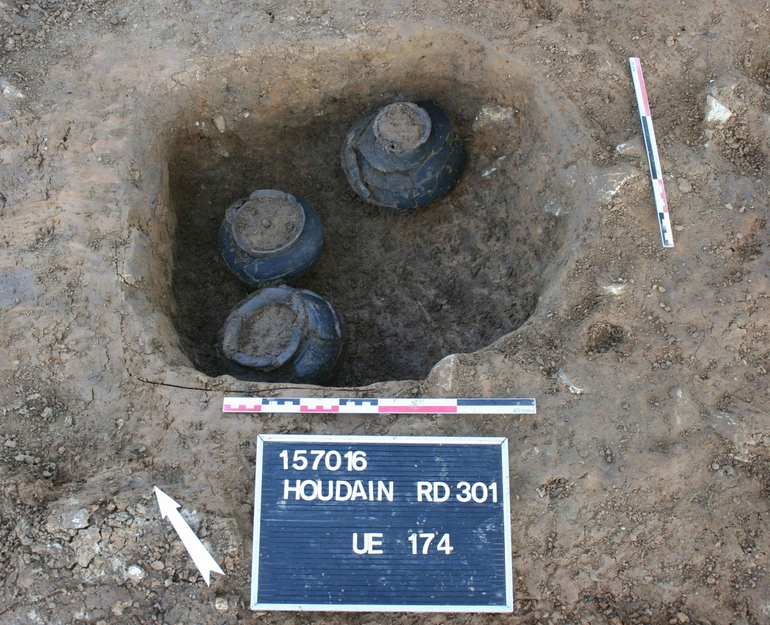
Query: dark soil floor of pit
(410, 287)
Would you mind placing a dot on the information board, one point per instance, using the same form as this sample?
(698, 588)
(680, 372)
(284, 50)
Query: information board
(382, 523)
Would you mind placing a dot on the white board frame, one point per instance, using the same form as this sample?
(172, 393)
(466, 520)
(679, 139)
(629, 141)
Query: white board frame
(416, 440)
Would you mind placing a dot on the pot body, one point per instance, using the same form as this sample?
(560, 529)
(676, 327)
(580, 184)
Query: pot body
(311, 344)
(260, 268)
(405, 179)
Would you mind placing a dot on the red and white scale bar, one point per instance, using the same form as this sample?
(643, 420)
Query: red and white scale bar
(651, 147)
(379, 405)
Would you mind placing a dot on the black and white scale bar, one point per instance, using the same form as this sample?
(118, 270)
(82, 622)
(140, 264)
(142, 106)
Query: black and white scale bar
(378, 405)
(651, 147)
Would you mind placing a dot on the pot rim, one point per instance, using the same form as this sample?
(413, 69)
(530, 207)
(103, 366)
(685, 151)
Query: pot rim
(268, 193)
(421, 113)
(266, 297)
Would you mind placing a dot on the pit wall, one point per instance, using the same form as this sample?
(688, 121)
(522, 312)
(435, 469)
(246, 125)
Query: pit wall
(270, 88)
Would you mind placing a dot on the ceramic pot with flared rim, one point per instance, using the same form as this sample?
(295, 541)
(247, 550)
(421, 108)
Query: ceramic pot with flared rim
(282, 334)
(404, 155)
(270, 237)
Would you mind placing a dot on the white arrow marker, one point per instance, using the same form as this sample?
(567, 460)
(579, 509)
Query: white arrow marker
(199, 554)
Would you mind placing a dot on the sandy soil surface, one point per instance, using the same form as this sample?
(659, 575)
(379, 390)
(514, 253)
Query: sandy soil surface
(640, 490)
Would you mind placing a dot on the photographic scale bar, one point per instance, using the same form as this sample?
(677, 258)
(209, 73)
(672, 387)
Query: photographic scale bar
(380, 405)
(651, 147)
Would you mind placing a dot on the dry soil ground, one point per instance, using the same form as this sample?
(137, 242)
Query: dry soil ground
(640, 490)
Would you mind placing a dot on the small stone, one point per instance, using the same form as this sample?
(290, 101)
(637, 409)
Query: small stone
(158, 565)
(670, 41)
(136, 573)
(682, 617)
(728, 470)
(10, 44)
(10, 444)
(716, 111)
(711, 580)
(661, 289)
(117, 609)
(220, 603)
(678, 228)
(662, 305)
(86, 546)
(684, 185)
(70, 520)
(219, 122)
(715, 466)
(632, 147)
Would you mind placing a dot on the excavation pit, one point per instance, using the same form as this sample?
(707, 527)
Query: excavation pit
(410, 288)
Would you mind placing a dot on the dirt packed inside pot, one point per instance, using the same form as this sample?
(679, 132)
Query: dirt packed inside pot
(409, 288)
(400, 127)
(268, 223)
(267, 332)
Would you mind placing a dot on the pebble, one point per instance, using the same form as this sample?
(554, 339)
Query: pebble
(670, 41)
(632, 147)
(70, 520)
(715, 466)
(10, 444)
(158, 565)
(728, 470)
(684, 185)
(716, 111)
(682, 617)
(220, 603)
(136, 573)
(219, 122)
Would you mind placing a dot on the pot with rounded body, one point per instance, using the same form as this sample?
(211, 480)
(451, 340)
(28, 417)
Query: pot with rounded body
(282, 334)
(270, 237)
(404, 155)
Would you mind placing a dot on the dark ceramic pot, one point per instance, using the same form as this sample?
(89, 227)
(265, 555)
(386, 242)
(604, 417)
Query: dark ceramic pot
(270, 237)
(283, 334)
(404, 155)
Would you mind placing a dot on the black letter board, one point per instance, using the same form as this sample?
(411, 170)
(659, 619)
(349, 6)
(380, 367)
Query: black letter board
(382, 523)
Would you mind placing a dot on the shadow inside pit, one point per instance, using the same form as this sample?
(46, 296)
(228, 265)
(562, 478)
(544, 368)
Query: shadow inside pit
(411, 287)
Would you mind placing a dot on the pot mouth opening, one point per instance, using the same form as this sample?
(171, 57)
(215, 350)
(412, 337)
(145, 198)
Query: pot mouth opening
(402, 127)
(268, 222)
(265, 331)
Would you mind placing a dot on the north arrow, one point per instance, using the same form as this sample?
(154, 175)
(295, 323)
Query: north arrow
(202, 558)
